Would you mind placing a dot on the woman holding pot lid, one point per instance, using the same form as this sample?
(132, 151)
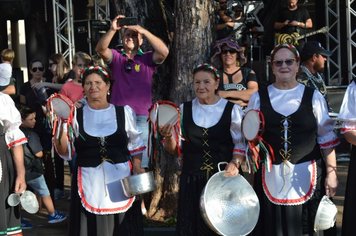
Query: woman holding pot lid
(300, 132)
(211, 133)
(12, 169)
(348, 115)
(107, 149)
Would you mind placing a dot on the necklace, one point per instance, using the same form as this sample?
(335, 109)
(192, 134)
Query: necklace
(315, 80)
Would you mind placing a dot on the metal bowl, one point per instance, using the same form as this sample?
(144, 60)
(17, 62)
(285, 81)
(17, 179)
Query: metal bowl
(29, 202)
(325, 215)
(229, 205)
(13, 199)
(138, 184)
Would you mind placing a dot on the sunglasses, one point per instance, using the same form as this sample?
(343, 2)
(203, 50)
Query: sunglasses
(231, 51)
(34, 69)
(279, 63)
(128, 65)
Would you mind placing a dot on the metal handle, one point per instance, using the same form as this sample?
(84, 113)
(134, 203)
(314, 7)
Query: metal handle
(220, 163)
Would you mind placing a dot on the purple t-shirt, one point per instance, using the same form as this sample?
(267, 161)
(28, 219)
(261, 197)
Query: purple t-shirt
(133, 88)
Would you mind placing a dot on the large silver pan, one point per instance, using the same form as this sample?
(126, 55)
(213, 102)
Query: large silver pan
(229, 205)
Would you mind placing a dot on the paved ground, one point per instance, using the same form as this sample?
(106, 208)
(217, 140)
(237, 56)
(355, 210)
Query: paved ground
(41, 227)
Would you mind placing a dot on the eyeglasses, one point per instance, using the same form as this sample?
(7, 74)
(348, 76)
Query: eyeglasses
(279, 63)
(34, 69)
(128, 65)
(231, 51)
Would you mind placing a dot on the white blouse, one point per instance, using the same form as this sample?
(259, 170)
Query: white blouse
(288, 101)
(10, 119)
(207, 116)
(100, 123)
(348, 109)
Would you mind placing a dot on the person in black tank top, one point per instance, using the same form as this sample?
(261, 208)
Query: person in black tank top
(211, 132)
(238, 82)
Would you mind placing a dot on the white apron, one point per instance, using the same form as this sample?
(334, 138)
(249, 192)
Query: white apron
(289, 184)
(100, 188)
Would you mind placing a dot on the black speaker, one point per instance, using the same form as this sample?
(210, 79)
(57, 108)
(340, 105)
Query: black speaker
(87, 33)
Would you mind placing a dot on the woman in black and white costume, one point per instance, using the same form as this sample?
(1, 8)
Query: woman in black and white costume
(108, 149)
(12, 169)
(348, 116)
(211, 133)
(300, 131)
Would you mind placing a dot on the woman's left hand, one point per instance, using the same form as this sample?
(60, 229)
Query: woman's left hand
(231, 169)
(138, 170)
(20, 185)
(166, 130)
(331, 183)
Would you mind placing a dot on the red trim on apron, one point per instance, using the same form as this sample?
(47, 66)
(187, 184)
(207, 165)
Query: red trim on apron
(295, 201)
(100, 211)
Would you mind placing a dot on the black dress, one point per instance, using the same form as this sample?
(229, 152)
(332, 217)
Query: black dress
(349, 214)
(89, 154)
(9, 216)
(286, 218)
(202, 149)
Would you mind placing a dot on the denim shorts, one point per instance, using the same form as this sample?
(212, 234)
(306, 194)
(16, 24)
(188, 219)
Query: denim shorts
(142, 125)
(39, 186)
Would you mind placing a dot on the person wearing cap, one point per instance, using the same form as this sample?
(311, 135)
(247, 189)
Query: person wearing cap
(313, 58)
(12, 169)
(238, 82)
(348, 115)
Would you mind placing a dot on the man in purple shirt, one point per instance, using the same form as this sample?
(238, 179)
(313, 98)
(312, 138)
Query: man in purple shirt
(132, 69)
(132, 72)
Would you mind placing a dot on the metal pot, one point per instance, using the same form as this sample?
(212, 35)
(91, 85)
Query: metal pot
(27, 199)
(325, 215)
(229, 205)
(138, 184)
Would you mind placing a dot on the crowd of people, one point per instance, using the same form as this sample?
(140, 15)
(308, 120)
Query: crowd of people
(112, 95)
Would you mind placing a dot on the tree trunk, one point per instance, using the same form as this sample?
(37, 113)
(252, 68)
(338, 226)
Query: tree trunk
(192, 42)
(192, 36)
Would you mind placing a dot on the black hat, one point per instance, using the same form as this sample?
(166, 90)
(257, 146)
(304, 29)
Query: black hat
(314, 47)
